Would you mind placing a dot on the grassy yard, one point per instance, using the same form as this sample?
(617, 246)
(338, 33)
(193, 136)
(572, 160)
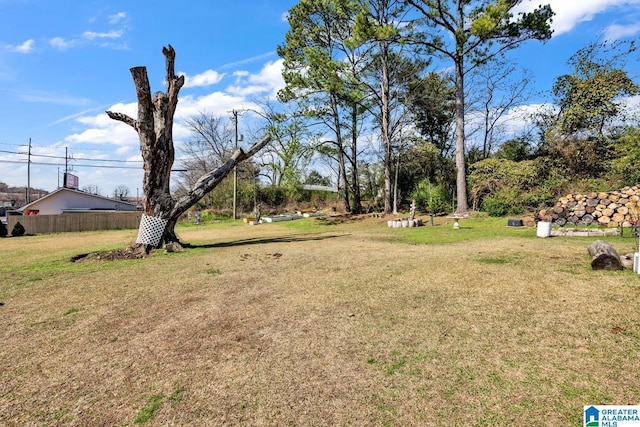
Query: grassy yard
(316, 322)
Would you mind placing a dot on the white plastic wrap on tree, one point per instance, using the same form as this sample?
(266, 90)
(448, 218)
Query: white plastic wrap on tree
(151, 230)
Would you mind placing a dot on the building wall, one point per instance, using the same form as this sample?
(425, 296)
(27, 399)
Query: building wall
(62, 200)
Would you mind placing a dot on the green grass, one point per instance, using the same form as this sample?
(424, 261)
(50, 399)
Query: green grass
(177, 395)
(147, 413)
(351, 321)
(155, 402)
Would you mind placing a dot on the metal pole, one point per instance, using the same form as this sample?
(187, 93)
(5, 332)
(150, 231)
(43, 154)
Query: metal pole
(29, 174)
(66, 166)
(235, 169)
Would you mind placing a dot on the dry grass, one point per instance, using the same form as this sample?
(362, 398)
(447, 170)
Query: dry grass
(337, 325)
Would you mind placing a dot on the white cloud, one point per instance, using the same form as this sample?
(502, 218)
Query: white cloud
(616, 32)
(208, 78)
(114, 19)
(216, 103)
(571, 13)
(26, 47)
(62, 44)
(53, 98)
(100, 129)
(260, 57)
(268, 81)
(92, 35)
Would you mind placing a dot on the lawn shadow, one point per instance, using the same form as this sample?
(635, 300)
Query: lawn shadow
(263, 240)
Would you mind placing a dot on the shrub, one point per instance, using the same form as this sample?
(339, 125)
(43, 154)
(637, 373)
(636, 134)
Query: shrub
(273, 196)
(431, 198)
(495, 206)
(3, 230)
(18, 230)
(504, 203)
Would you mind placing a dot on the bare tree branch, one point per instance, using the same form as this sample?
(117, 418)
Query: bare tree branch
(210, 180)
(122, 118)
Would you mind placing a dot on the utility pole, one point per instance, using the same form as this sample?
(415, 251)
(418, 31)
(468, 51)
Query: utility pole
(29, 174)
(235, 168)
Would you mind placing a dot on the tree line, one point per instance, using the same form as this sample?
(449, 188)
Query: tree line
(407, 81)
(392, 100)
(379, 91)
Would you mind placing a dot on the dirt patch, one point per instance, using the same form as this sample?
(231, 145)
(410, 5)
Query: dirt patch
(113, 255)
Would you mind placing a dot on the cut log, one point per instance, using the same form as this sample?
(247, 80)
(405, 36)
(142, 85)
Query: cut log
(617, 217)
(587, 219)
(604, 256)
(592, 202)
(607, 212)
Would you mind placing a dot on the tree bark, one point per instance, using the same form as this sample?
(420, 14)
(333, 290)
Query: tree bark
(461, 173)
(604, 256)
(154, 126)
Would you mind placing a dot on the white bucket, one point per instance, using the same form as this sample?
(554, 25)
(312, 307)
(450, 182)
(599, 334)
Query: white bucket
(544, 229)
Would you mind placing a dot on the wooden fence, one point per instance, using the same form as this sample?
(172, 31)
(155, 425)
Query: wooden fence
(85, 221)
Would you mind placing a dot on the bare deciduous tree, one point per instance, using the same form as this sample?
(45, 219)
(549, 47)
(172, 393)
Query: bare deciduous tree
(154, 125)
(121, 192)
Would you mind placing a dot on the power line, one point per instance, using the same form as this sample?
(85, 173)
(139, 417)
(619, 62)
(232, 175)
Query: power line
(71, 157)
(24, 162)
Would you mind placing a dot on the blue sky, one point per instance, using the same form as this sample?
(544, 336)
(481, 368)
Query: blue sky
(64, 62)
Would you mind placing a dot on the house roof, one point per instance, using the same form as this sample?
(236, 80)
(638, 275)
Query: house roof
(35, 203)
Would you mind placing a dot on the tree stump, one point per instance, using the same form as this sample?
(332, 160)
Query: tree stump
(604, 256)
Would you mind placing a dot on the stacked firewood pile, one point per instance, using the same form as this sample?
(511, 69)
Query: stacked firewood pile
(613, 209)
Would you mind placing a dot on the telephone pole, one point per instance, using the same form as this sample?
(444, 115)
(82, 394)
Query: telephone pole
(235, 168)
(29, 174)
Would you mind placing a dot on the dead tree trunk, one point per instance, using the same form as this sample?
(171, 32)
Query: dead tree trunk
(154, 125)
(604, 256)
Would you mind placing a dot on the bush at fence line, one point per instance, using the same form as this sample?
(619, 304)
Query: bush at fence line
(3, 230)
(18, 230)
